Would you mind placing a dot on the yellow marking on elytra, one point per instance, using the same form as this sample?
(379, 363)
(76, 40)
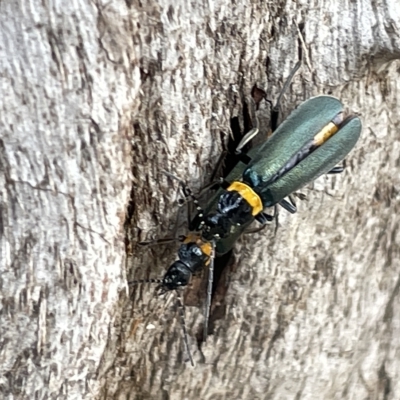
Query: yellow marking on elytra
(249, 195)
(325, 133)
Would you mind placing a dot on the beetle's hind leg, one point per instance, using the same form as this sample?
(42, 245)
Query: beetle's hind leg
(263, 218)
(184, 329)
(336, 170)
(252, 122)
(290, 205)
(209, 292)
(255, 230)
(246, 139)
(259, 94)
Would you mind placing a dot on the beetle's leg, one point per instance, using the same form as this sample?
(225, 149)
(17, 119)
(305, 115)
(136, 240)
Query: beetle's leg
(185, 189)
(187, 192)
(185, 335)
(300, 196)
(254, 122)
(214, 184)
(209, 292)
(246, 139)
(274, 113)
(288, 206)
(276, 219)
(188, 196)
(263, 218)
(218, 167)
(291, 199)
(255, 230)
(336, 170)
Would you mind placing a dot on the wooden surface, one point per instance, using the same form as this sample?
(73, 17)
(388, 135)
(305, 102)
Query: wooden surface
(96, 100)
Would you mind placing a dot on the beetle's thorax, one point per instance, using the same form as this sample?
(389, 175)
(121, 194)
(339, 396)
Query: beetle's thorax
(236, 206)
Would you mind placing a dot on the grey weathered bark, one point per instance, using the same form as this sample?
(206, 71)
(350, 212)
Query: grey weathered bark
(310, 313)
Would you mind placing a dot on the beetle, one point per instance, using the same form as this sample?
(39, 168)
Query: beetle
(310, 142)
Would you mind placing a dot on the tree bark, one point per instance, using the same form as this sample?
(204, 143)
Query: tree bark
(97, 100)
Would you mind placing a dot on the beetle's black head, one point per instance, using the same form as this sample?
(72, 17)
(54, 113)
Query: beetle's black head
(178, 275)
(192, 256)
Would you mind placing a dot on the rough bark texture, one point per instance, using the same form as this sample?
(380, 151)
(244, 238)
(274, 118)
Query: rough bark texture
(97, 99)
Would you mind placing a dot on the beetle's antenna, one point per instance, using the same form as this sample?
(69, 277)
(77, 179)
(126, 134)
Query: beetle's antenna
(185, 335)
(302, 46)
(209, 291)
(286, 85)
(275, 109)
(137, 281)
(180, 238)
